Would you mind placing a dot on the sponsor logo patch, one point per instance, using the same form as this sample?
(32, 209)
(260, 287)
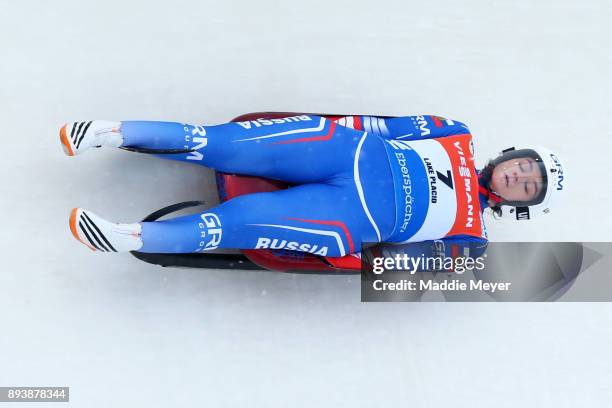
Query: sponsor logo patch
(210, 232)
(273, 243)
(195, 137)
(250, 124)
(559, 170)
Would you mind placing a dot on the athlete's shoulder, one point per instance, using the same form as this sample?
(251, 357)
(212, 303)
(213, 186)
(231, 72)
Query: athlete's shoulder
(412, 127)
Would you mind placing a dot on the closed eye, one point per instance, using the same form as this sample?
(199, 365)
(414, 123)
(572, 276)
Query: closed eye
(536, 190)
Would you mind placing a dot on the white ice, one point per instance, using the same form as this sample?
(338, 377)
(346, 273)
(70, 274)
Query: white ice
(124, 333)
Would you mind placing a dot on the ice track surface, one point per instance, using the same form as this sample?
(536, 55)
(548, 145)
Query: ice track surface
(123, 333)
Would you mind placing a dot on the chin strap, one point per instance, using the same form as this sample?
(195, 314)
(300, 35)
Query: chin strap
(488, 193)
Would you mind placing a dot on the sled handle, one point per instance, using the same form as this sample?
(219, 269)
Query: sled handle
(156, 151)
(154, 216)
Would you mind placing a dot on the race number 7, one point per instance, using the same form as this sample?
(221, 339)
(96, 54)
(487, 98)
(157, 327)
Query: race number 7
(446, 179)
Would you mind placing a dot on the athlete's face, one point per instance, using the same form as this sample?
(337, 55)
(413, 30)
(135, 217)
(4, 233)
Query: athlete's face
(517, 179)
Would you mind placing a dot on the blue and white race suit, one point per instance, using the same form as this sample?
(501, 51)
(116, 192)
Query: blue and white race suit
(356, 180)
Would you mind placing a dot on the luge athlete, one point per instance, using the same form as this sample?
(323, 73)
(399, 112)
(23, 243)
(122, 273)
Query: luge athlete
(355, 179)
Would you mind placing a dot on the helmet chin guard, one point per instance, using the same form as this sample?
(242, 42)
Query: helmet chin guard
(554, 180)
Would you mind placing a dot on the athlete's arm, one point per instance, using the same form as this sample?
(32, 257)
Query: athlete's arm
(443, 249)
(423, 127)
(405, 127)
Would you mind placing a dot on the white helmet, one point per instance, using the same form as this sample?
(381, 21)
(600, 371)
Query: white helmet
(553, 179)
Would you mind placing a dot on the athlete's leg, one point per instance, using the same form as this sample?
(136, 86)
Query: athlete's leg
(317, 218)
(321, 219)
(296, 149)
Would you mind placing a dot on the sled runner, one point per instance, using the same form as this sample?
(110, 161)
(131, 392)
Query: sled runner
(228, 187)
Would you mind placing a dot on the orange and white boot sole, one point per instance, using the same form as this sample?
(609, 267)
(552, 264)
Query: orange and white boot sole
(74, 216)
(66, 143)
